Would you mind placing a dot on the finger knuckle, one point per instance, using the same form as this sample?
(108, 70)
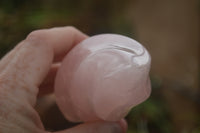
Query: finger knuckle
(4, 81)
(71, 28)
(36, 35)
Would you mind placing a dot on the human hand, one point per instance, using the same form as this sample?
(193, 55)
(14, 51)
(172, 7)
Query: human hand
(30, 64)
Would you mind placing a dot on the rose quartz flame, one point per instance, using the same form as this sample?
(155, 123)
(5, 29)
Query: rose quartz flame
(103, 77)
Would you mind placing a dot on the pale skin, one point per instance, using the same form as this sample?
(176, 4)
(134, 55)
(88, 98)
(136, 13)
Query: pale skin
(28, 71)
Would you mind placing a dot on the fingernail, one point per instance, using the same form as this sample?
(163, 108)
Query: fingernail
(111, 127)
(117, 128)
(123, 125)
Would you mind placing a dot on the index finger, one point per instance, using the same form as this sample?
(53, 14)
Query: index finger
(61, 39)
(32, 61)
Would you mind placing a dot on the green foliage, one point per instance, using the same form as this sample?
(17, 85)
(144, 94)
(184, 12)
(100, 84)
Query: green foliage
(19, 17)
(150, 116)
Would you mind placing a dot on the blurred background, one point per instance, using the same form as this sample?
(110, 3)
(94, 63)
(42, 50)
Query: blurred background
(169, 29)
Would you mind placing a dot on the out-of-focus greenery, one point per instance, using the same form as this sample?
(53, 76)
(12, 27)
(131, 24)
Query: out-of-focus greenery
(19, 17)
(152, 116)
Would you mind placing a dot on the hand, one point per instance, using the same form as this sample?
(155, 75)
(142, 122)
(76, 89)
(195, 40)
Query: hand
(24, 69)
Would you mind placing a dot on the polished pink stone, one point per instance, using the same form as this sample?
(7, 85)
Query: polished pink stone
(103, 77)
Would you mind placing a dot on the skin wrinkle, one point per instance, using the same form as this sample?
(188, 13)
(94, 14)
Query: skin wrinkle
(30, 58)
(3, 114)
(8, 101)
(22, 107)
(11, 86)
(28, 115)
(13, 78)
(23, 69)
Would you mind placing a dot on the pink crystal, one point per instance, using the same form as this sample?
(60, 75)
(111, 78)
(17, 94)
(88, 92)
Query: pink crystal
(103, 77)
